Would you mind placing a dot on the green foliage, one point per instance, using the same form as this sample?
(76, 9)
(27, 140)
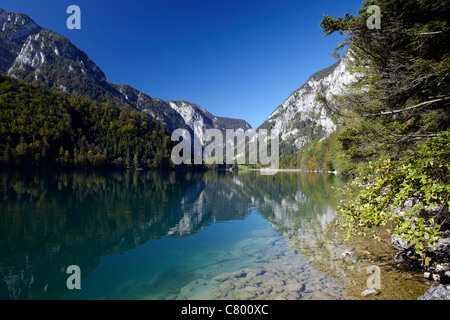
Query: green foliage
(378, 199)
(395, 123)
(43, 128)
(324, 154)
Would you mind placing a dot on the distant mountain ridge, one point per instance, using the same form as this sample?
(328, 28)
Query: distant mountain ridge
(37, 55)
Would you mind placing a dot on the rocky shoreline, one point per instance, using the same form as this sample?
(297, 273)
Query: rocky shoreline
(438, 271)
(349, 261)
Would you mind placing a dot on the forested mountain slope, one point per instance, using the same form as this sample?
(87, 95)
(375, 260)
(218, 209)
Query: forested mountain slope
(39, 127)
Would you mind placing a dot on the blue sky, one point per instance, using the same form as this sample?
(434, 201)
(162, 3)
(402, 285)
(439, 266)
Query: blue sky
(235, 58)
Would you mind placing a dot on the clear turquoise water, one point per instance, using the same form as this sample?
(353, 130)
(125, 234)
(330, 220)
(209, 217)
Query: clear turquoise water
(160, 235)
(159, 268)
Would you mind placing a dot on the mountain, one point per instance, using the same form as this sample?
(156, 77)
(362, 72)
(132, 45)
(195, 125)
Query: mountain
(193, 114)
(43, 127)
(156, 108)
(301, 119)
(37, 55)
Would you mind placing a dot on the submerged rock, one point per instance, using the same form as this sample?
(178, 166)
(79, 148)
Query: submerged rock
(350, 256)
(369, 293)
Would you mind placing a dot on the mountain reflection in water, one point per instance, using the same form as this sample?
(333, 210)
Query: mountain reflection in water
(50, 220)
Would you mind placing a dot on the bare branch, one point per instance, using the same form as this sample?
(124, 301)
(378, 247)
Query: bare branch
(428, 33)
(406, 109)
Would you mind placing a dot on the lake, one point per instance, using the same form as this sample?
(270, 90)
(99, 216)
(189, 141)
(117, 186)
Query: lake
(171, 235)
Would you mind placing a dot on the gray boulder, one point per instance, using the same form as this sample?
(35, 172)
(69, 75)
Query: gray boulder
(440, 292)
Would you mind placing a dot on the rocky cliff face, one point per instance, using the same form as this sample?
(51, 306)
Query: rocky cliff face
(14, 31)
(37, 55)
(198, 119)
(156, 108)
(301, 119)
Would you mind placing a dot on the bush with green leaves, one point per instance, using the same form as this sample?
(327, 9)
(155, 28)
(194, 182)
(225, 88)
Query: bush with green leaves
(379, 200)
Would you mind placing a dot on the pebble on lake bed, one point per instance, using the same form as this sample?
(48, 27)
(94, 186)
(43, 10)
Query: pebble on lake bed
(369, 293)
